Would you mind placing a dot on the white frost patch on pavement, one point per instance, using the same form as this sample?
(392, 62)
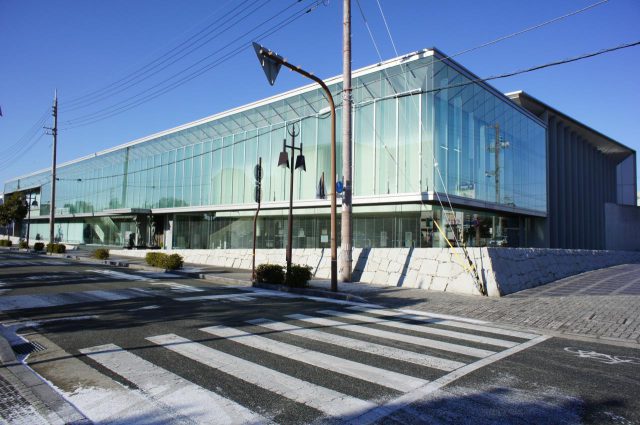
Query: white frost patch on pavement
(123, 406)
(119, 275)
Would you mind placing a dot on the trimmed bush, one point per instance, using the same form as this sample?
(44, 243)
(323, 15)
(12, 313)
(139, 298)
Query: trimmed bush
(101, 253)
(298, 276)
(38, 246)
(56, 248)
(270, 273)
(5, 242)
(23, 244)
(173, 262)
(164, 261)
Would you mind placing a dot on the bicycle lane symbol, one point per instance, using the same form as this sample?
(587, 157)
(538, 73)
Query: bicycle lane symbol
(603, 358)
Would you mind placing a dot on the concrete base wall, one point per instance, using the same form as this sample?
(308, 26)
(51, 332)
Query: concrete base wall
(622, 227)
(502, 270)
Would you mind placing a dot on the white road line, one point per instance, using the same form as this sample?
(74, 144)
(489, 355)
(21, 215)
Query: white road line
(387, 378)
(172, 390)
(19, 302)
(328, 401)
(179, 287)
(364, 346)
(374, 415)
(456, 324)
(119, 275)
(424, 342)
(423, 329)
(237, 297)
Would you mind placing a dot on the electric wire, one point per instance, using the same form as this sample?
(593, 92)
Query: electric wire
(142, 68)
(133, 101)
(163, 64)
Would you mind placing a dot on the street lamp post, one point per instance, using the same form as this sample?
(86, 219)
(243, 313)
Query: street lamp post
(283, 161)
(271, 64)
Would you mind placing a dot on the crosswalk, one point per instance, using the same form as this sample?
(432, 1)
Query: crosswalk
(322, 361)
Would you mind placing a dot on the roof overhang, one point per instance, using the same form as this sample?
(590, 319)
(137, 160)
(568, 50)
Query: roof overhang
(604, 144)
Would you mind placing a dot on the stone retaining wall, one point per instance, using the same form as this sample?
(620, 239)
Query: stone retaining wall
(502, 270)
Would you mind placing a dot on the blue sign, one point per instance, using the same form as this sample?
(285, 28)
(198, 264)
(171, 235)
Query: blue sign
(339, 187)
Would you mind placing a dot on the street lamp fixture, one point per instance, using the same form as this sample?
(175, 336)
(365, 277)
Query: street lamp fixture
(29, 203)
(283, 161)
(271, 64)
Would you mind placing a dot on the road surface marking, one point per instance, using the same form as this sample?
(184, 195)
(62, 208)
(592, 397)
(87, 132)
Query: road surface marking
(374, 415)
(119, 275)
(424, 342)
(423, 329)
(236, 297)
(452, 323)
(601, 357)
(172, 390)
(19, 302)
(390, 379)
(364, 346)
(328, 401)
(179, 287)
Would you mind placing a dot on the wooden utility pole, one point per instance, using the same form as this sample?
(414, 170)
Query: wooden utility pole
(54, 132)
(346, 263)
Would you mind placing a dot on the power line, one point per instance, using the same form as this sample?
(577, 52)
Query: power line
(418, 92)
(136, 100)
(163, 63)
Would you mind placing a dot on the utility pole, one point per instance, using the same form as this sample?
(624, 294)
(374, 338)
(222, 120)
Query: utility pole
(346, 265)
(54, 132)
(497, 162)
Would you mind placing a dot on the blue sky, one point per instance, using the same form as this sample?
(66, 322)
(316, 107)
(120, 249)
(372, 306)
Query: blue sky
(79, 46)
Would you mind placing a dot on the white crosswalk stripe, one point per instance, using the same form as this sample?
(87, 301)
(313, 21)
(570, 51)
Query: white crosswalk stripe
(119, 275)
(166, 389)
(423, 329)
(172, 390)
(424, 342)
(178, 287)
(362, 371)
(329, 402)
(19, 302)
(364, 346)
(230, 297)
(450, 323)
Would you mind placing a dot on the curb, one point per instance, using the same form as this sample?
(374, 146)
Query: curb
(26, 380)
(344, 296)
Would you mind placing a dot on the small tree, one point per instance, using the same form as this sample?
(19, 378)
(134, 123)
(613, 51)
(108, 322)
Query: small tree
(14, 209)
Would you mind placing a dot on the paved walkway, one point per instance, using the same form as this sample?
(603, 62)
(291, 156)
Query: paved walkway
(602, 303)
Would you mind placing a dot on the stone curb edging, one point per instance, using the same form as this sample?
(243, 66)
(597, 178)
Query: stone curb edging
(311, 292)
(32, 382)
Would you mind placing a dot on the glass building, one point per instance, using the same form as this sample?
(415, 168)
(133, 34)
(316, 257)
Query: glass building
(432, 147)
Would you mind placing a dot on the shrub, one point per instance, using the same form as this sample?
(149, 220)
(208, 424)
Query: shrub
(101, 253)
(23, 244)
(153, 258)
(38, 246)
(5, 242)
(164, 261)
(270, 273)
(56, 248)
(172, 262)
(298, 276)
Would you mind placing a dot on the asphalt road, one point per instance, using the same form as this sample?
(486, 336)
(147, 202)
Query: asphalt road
(134, 347)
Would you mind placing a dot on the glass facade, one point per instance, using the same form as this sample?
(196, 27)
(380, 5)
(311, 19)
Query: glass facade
(420, 125)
